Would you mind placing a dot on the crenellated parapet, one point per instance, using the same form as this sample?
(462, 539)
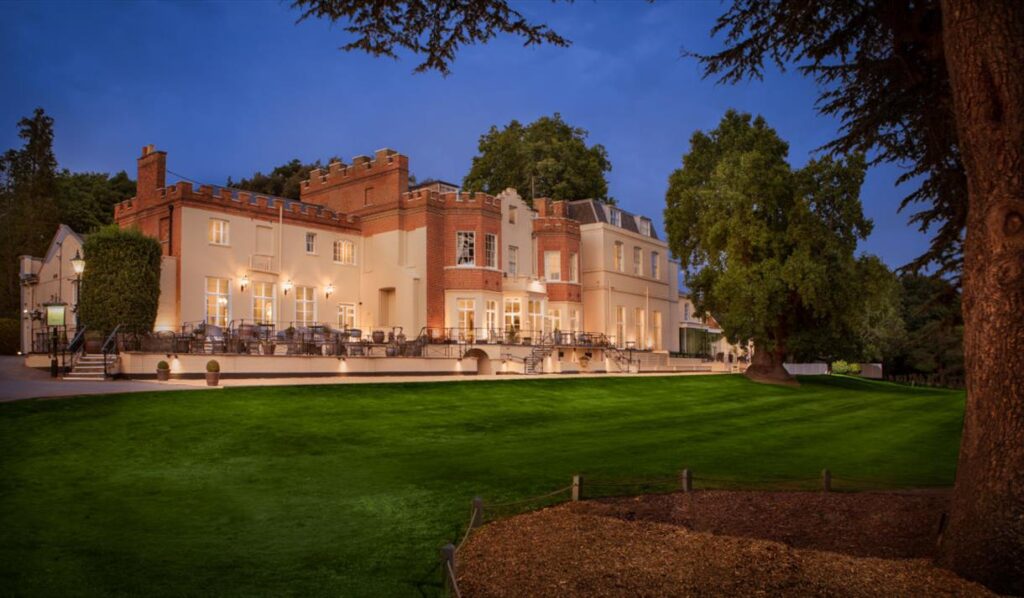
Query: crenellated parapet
(362, 167)
(234, 200)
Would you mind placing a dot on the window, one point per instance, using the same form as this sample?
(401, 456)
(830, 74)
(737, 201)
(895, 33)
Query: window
(305, 306)
(491, 319)
(574, 268)
(640, 320)
(217, 301)
(311, 243)
(616, 217)
(263, 302)
(656, 320)
(655, 266)
(536, 317)
(574, 319)
(513, 260)
(466, 309)
(490, 251)
(344, 252)
(620, 325)
(513, 214)
(638, 261)
(465, 248)
(555, 319)
(513, 314)
(217, 232)
(553, 265)
(618, 257)
(686, 312)
(645, 227)
(346, 316)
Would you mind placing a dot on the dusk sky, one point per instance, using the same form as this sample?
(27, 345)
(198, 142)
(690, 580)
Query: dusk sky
(230, 88)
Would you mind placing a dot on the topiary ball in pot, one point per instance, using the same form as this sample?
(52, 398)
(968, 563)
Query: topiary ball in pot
(163, 371)
(212, 373)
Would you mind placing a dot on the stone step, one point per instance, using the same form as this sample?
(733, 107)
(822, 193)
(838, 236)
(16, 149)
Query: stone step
(78, 377)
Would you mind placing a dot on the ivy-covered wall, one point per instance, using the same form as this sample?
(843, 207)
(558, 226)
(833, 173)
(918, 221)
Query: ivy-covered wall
(121, 282)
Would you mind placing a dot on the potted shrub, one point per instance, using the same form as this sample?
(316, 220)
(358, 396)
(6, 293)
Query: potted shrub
(163, 371)
(212, 373)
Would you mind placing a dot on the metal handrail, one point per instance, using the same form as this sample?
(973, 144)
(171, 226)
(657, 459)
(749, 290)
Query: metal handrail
(108, 345)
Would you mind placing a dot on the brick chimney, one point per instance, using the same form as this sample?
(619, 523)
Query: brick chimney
(152, 173)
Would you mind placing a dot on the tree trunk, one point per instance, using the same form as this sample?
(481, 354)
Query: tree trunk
(766, 365)
(984, 49)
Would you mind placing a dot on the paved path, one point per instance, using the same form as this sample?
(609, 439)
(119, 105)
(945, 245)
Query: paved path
(19, 382)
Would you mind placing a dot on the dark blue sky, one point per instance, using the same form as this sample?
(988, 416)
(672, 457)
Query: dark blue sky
(230, 88)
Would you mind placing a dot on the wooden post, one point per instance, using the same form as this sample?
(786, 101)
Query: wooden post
(478, 513)
(447, 559)
(686, 480)
(826, 480)
(577, 487)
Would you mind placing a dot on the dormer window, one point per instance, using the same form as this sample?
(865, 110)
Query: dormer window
(645, 227)
(616, 217)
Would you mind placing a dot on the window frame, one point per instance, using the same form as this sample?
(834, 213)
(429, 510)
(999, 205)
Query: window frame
(311, 301)
(618, 256)
(460, 242)
(225, 296)
(225, 232)
(343, 316)
(655, 265)
(638, 260)
(341, 256)
(310, 236)
(513, 260)
(513, 317)
(257, 314)
(553, 275)
(491, 250)
(574, 267)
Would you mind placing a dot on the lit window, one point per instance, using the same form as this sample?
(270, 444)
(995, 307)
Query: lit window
(574, 268)
(491, 251)
(574, 319)
(618, 256)
(513, 260)
(655, 266)
(217, 232)
(536, 316)
(491, 319)
(310, 242)
(555, 319)
(345, 252)
(263, 302)
(465, 248)
(638, 261)
(640, 321)
(346, 316)
(553, 265)
(656, 321)
(513, 314)
(466, 309)
(305, 306)
(620, 325)
(217, 301)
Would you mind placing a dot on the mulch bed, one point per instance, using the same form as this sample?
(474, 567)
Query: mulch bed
(715, 543)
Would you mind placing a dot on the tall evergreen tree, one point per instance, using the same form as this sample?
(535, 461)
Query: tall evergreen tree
(28, 211)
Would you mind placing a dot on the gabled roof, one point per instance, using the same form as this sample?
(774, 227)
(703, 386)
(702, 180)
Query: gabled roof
(63, 232)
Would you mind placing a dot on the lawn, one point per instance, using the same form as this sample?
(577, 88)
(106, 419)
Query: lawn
(350, 490)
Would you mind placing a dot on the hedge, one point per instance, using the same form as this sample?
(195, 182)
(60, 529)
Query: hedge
(121, 282)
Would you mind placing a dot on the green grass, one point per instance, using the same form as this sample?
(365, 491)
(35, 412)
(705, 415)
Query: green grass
(350, 490)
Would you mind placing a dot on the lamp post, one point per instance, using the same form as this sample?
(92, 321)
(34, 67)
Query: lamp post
(78, 265)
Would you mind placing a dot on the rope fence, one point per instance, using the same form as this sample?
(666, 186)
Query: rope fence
(483, 512)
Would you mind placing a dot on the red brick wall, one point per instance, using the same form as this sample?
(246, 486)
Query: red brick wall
(345, 188)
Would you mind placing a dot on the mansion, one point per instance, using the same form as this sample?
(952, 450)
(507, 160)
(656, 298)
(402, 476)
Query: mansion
(364, 249)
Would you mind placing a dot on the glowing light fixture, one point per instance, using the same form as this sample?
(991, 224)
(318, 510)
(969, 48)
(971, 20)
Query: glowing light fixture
(78, 263)
(287, 286)
(245, 281)
(328, 290)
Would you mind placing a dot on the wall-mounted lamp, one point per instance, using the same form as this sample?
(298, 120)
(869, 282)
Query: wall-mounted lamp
(287, 286)
(328, 290)
(244, 282)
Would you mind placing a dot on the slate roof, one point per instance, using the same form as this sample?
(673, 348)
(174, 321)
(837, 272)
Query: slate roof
(590, 211)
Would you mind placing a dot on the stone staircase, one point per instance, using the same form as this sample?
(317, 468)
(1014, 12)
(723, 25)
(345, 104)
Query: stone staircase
(90, 367)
